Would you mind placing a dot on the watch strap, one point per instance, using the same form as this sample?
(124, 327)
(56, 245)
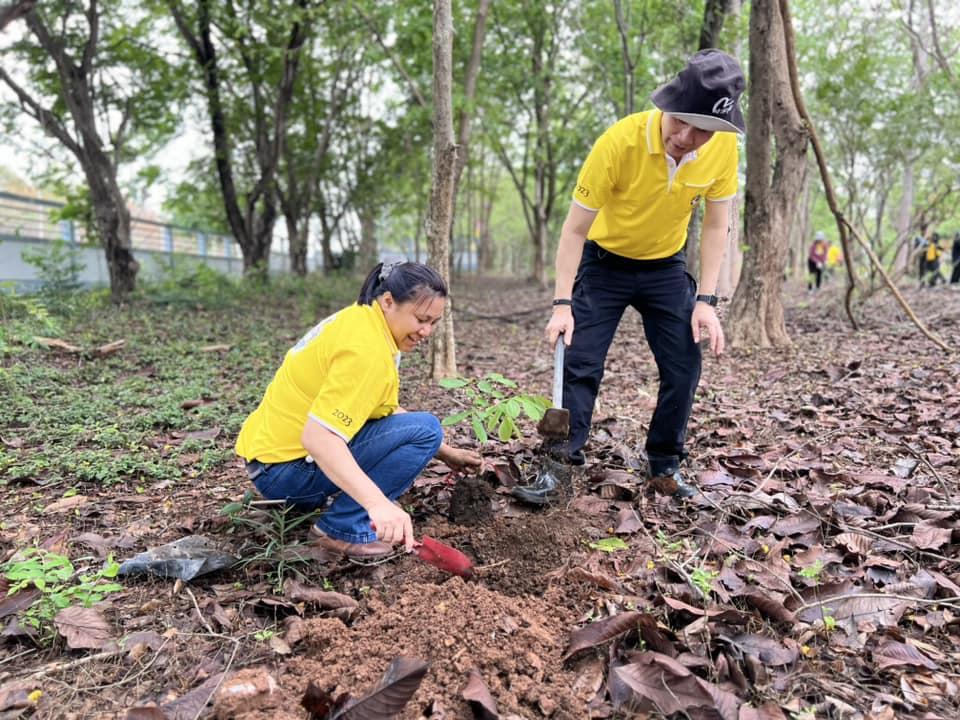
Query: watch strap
(711, 300)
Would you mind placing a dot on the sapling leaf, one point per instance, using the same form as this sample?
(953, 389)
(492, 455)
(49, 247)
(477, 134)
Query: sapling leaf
(453, 383)
(610, 544)
(513, 407)
(478, 430)
(455, 418)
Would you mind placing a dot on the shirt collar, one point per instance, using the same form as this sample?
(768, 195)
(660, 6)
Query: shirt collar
(378, 311)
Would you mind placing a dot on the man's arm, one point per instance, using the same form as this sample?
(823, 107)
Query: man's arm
(569, 251)
(713, 243)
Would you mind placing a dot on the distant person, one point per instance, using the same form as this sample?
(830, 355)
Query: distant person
(816, 261)
(622, 243)
(834, 258)
(955, 259)
(932, 261)
(330, 423)
(920, 244)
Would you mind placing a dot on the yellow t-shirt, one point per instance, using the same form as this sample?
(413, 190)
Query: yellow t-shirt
(643, 212)
(933, 252)
(834, 256)
(341, 374)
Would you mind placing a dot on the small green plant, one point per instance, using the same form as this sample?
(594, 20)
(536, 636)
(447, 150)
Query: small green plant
(58, 266)
(59, 584)
(494, 406)
(274, 546)
(812, 572)
(263, 635)
(703, 579)
(829, 621)
(670, 547)
(609, 545)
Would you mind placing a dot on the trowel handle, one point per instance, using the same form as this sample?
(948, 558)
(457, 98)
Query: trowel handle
(558, 372)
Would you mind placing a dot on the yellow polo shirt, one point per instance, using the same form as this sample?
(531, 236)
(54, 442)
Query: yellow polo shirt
(643, 211)
(341, 374)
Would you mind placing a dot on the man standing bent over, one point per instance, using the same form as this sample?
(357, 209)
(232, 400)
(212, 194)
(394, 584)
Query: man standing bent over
(622, 245)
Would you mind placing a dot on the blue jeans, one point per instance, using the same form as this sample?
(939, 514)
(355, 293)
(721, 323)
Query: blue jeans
(663, 293)
(391, 451)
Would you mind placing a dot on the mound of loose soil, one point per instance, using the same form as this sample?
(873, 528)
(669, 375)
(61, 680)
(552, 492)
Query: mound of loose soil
(455, 626)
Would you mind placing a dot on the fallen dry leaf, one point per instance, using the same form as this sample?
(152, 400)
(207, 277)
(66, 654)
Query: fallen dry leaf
(83, 627)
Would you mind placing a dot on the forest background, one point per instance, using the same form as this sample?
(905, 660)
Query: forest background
(320, 116)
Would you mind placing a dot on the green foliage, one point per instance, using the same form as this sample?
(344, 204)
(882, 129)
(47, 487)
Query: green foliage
(273, 546)
(812, 572)
(702, 579)
(59, 583)
(609, 545)
(22, 317)
(493, 409)
(58, 266)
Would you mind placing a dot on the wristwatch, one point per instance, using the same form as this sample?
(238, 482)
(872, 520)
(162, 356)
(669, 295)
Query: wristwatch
(711, 300)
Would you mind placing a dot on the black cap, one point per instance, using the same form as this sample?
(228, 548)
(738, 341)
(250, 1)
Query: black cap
(705, 93)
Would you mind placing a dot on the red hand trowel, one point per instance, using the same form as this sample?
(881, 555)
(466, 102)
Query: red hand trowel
(443, 556)
(440, 555)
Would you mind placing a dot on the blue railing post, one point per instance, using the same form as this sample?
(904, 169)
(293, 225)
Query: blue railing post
(202, 243)
(168, 243)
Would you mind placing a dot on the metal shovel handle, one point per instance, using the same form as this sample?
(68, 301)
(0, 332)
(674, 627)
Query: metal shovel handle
(558, 372)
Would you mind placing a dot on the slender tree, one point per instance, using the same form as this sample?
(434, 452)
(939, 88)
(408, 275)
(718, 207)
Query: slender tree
(776, 154)
(266, 80)
(440, 212)
(96, 84)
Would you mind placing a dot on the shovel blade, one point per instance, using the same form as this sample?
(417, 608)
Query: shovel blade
(444, 557)
(555, 424)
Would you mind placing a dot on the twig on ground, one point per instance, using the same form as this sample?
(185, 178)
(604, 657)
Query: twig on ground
(923, 458)
(950, 602)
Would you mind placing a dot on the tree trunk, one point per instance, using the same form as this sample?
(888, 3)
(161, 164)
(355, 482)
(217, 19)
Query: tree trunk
(110, 212)
(440, 214)
(714, 13)
(14, 11)
(369, 254)
(297, 234)
(112, 220)
(773, 185)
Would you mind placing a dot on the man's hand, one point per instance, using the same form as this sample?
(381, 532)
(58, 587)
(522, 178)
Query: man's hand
(392, 524)
(560, 322)
(458, 459)
(704, 317)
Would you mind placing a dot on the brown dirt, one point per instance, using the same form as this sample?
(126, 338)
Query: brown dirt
(808, 423)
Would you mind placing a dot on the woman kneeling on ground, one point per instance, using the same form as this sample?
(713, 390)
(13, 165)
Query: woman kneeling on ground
(330, 422)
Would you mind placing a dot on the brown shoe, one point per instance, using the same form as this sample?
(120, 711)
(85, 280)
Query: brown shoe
(355, 551)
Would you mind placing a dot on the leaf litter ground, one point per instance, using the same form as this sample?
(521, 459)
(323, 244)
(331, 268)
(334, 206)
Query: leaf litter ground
(816, 576)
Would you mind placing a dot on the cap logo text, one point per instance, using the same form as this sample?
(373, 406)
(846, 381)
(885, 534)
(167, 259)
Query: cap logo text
(723, 106)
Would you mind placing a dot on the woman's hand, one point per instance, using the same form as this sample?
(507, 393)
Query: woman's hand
(458, 459)
(391, 523)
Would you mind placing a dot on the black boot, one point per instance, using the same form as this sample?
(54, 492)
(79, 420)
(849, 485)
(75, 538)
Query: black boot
(673, 484)
(552, 482)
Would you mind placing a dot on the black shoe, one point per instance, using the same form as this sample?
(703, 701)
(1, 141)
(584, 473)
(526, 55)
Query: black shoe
(576, 458)
(673, 484)
(549, 485)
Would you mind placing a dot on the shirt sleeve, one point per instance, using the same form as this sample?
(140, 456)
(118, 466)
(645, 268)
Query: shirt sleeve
(725, 186)
(598, 175)
(352, 389)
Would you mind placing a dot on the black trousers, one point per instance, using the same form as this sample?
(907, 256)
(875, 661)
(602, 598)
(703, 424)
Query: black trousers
(663, 292)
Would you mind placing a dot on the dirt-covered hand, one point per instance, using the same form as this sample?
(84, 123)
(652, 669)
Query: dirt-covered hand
(461, 460)
(704, 317)
(391, 523)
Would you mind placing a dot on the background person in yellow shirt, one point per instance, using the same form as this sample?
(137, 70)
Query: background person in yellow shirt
(330, 423)
(622, 246)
